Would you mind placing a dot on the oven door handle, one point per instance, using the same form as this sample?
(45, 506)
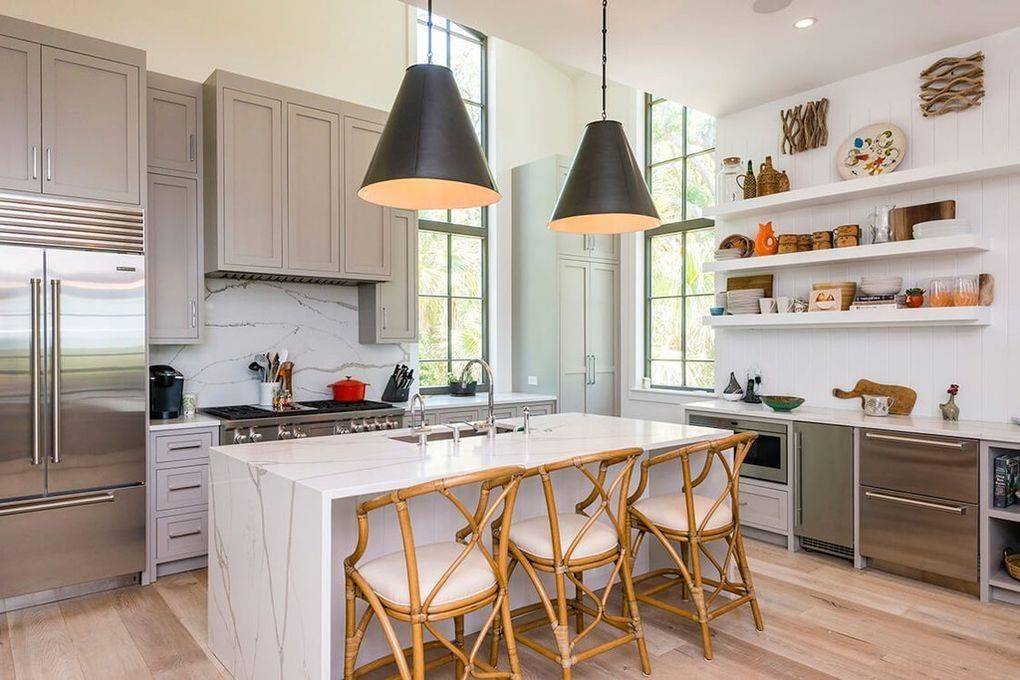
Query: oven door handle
(941, 507)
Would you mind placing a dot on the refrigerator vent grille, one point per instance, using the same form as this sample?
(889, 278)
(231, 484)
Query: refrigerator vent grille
(47, 221)
(826, 547)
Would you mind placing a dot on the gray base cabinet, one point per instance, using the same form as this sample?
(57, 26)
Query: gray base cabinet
(388, 312)
(442, 416)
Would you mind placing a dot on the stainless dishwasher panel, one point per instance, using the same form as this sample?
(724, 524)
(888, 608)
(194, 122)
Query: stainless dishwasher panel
(824, 483)
(934, 536)
(59, 541)
(941, 467)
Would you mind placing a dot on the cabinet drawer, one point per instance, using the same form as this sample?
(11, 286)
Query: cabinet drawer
(181, 487)
(457, 416)
(182, 536)
(942, 467)
(172, 448)
(764, 508)
(505, 412)
(543, 409)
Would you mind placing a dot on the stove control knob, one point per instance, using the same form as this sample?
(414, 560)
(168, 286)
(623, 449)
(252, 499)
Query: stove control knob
(299, 433)
(240, 437)
(357, 426)
(284, 432)
(254, 436)
(377, 424)
(340, 428)
(390, 423)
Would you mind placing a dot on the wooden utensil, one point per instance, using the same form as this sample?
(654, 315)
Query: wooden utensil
(902, 220)
(763, 281)
(903, 398)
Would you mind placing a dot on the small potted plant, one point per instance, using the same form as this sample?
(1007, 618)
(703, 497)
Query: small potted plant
(915, 297)
(461, 389)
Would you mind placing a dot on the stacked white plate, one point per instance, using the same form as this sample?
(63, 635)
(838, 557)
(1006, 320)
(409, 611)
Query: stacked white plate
(880, 285)
(727, 254)
(937, 228)
(744, 301)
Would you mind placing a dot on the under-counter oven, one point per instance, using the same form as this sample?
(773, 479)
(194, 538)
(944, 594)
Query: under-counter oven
(767, 459)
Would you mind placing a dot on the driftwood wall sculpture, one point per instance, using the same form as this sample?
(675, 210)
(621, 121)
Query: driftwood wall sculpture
(953, 84)
(804, 126)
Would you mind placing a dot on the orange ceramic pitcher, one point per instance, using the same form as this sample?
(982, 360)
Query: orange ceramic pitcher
(766, 243)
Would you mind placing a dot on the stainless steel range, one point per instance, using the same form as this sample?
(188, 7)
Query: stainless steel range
(249, 424)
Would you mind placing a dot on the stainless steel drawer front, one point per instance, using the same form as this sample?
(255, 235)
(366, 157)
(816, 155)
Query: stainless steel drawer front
(937, 467)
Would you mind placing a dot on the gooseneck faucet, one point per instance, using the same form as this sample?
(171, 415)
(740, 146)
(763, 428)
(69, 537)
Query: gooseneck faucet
(422, 430)
(490, 420)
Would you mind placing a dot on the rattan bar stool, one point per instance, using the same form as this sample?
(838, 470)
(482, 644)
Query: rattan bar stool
(422, 585)
(693, 520)
(567, 545)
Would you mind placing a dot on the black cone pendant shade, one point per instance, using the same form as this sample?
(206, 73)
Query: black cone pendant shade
(428, 157)
(604, 192)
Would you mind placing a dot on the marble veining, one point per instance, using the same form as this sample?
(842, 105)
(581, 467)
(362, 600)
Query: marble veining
(318, 324)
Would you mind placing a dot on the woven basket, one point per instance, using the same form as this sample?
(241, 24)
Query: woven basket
(1012, 561)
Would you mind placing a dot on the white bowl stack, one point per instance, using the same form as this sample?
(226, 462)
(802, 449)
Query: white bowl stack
(880, 285)
(744, 301)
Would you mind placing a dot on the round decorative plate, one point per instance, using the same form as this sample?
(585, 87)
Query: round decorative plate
(872, 150)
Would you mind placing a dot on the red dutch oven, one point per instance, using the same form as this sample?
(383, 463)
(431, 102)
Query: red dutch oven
(348, 390)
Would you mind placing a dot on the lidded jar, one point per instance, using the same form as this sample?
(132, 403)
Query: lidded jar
(726, 186)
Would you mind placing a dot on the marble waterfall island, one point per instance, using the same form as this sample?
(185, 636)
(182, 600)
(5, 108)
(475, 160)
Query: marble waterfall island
(282, 519)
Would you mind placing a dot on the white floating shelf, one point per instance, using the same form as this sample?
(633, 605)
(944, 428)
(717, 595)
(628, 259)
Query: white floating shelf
(966, 243)
(879, 318)
(1010, 514)
(1001, 579)
(863, 187)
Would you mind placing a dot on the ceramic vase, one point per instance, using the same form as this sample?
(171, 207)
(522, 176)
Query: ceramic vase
(950, 411)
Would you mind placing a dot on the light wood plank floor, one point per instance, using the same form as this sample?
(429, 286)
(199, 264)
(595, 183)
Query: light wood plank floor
(822, 619)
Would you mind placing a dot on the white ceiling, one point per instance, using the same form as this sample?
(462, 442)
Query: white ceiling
(720, 56)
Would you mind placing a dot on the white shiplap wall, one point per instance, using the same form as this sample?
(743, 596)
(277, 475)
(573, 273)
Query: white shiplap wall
(985, 362)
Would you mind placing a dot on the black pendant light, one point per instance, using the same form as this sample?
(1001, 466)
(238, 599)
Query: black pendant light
(428, 157)
(604, 192)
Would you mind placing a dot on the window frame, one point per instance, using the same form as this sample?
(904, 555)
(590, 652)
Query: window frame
(683, 226)
(449, 227)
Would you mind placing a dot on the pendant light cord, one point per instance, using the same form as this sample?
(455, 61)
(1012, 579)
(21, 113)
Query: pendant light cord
(604, 4)
(430, 34)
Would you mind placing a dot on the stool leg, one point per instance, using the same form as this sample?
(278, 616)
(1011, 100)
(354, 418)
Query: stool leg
(511, 644)
(698, 595)
(578, 600)
(350, 643)
(494, 635)
(745, 576)
(632, 610)
(417, 651)
(458, 636)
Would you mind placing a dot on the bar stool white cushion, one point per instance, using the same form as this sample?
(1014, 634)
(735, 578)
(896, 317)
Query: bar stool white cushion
(387, 575)
(670, 511)
(533, 536)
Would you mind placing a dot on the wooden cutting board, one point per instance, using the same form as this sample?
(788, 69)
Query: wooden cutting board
(763, 281)
(903, 398)
(902, 220)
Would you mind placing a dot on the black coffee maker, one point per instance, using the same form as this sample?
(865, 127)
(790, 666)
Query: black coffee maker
(166, 391)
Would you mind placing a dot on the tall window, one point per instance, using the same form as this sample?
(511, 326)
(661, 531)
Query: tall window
(452, 300)
(679, 149)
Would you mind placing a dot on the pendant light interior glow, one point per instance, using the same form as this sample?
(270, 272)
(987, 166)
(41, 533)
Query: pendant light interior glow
(604, 192)
(428, 156)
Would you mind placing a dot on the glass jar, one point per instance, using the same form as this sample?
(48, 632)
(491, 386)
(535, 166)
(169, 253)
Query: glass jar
(966, 291)
(943, 291)
(726, 187)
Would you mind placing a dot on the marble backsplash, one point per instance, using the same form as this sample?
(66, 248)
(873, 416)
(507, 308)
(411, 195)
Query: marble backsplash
(317, 324)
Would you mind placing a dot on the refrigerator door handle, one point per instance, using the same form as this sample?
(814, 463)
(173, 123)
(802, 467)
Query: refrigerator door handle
(34, 367)
(20, 509)
(55, 368)
(798, 481)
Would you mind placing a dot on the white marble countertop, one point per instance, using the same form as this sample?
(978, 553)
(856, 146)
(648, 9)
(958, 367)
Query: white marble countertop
(371, 462)
(197, 420)
(440, 401)
(967, 429)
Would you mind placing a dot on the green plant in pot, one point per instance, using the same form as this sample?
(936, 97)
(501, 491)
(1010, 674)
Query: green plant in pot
(459, 388)
(915, 297)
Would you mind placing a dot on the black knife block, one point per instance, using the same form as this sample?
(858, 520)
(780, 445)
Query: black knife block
(394, 395)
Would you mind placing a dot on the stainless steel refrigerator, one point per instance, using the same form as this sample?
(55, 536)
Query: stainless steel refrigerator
(72, 396)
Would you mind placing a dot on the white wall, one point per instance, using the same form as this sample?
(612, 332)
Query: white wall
(983, 361)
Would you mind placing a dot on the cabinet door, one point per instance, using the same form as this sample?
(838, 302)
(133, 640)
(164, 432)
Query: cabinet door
(824, 482)
(573, 355)
(367, 238)
(574, 245)
(398, 297)
(601, 338)
(20, 121)
(604, 246)
(90, 128)
(313, 190)
(252, 162)
(174, 268)
(172, 131)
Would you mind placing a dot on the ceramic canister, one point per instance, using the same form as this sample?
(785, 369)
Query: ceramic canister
(875, 405)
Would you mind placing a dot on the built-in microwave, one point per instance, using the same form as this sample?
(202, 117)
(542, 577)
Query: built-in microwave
(767, 459)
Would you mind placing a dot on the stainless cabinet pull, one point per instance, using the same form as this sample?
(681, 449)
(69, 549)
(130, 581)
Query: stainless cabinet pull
(182, 447)
(49, 167)
(184, 487)
(56, 504)
(34, 367)
(385, 319)
(955, 509)
(194, 314)
(55, 364)
(191, 147)
(594, 377)
(183, 534)
(914, 440)
(35, 162)
(798, 480)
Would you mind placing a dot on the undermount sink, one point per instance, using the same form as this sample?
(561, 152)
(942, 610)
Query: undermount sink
(447, 434)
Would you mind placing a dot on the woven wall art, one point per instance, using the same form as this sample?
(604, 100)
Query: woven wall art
(953, 84)
(804, 126)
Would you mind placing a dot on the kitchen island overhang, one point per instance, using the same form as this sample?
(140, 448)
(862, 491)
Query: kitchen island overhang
(282, 519)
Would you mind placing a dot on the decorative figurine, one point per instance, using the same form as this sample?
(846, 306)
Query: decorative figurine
(950, 411)
(733, 391)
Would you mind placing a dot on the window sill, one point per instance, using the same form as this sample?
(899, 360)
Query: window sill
(664, 396)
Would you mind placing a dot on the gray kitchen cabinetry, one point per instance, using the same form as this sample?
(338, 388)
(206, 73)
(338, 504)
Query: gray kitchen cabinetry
(71, 114)
(313, 190)
(174, 216)
(367, 237)
(388, 311)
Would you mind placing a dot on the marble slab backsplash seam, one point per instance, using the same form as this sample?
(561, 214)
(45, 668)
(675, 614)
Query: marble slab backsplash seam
(317, 324)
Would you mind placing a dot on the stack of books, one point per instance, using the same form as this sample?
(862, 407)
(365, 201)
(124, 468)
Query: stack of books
(1006, 479)
(877, 302)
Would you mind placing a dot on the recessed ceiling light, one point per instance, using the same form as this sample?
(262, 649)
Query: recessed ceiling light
(806, 22)
(770, 6)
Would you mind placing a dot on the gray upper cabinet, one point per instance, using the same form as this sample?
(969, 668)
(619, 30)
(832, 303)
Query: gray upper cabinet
(20, 121)
(252, 188)
(367, 237)
(388, 311)
(174, 240)
(313, 190)
(173, 130)
(90, 127)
